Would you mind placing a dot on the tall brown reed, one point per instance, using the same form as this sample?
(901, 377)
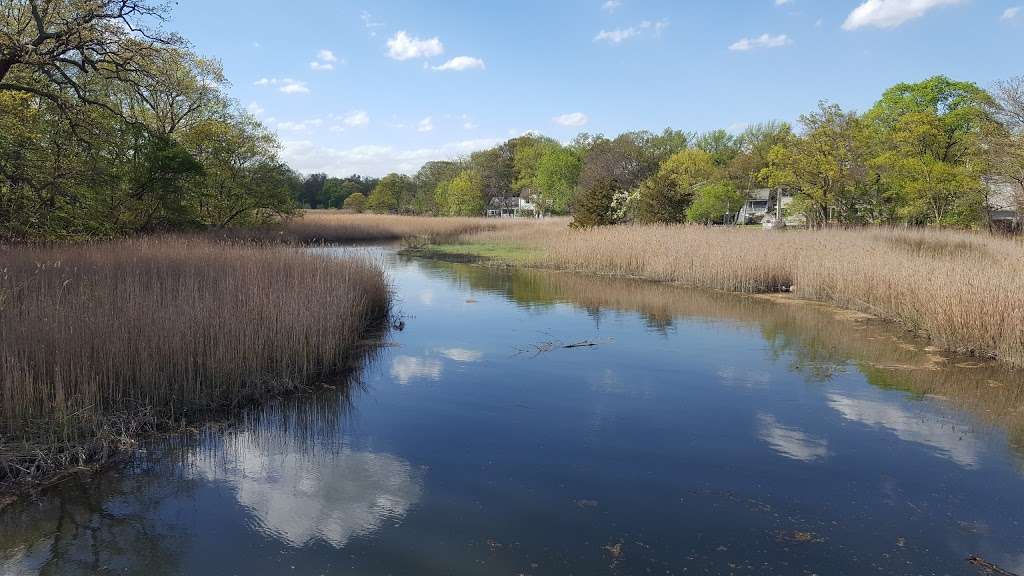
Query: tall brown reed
(962, 290)
(332, 226)
(98, 342)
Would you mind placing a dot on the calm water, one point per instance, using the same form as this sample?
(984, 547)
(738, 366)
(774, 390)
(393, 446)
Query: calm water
(702, 434)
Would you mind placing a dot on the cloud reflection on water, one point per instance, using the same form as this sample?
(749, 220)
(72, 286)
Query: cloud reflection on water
(947, 438)
(790, 442)
(405, 369)
(299, 499)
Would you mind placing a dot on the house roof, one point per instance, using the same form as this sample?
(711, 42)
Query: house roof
(504, 202)
(759, 194)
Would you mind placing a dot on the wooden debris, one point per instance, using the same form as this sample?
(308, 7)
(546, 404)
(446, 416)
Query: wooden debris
(987, 567)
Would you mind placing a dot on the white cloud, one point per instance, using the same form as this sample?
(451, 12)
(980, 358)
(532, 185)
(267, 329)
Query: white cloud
(460, 63)
(790, 442)
(425, 125)
(289, 86)
(404, 47)
(575, 119)
(325, 60)
(1010, 13)
(620, 35)
(369, 23)
(946, 438)
(891, 13)
(616, 36)
(657, 26)
(255, 109)
(762, 41)
(302, 126)
(371, 160)
(356, 119)
(468, 124)
(462, 354)
(611, 5)
(408, 368)
(783, 2)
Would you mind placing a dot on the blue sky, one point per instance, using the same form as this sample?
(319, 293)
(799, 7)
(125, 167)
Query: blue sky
(374, 87)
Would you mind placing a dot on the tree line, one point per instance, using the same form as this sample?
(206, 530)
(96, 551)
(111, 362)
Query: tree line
(924, 154)
(109, 126)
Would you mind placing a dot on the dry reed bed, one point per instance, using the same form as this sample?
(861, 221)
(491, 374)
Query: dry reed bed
(332, 226)
(964, 291)
(100, 343)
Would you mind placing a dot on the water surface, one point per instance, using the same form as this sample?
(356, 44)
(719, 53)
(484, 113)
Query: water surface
(702, 433)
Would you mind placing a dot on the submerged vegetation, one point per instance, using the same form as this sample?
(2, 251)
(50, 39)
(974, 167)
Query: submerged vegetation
(100, 344)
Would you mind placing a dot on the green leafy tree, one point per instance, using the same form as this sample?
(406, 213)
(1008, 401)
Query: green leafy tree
(722, 146)
(594, 203)
(558, 173)
(613, 168)
(924, 141)
(716, 202)
(464, 195)
(335, 192)
(243, 180)
(388, 193)
(526, 160)
(426, 182)
(755, 144)
(820, 166)
(666, 196)
(356, 202)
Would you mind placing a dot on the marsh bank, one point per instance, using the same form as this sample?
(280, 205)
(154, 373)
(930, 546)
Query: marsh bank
(705, 432)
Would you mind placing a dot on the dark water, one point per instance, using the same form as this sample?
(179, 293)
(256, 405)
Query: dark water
(702, 434)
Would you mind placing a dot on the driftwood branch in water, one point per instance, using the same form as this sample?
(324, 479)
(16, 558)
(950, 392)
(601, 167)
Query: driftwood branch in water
(549, 345)
(987, 566)
(581, 344)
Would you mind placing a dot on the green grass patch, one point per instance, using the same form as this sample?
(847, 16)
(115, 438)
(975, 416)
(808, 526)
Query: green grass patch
(508, 253)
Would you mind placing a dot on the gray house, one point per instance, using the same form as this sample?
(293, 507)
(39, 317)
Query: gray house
(767, 206)
(756, 207)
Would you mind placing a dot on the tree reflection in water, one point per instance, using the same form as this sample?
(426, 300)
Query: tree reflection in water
(818, 341)
(122, 520)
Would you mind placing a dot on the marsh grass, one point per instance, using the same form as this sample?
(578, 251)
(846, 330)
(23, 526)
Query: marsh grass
(101, 344)
(328, 226)
(963, 291)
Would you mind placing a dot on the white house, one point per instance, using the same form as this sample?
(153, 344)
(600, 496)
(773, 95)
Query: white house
(510, 207)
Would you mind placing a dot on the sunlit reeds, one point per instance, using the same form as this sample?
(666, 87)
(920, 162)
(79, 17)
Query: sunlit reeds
(331, 226)
(100, 343)
(962, 290)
